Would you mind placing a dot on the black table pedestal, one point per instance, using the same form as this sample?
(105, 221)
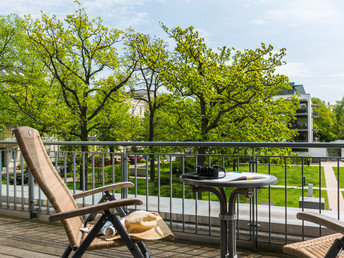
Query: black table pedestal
(227, 215)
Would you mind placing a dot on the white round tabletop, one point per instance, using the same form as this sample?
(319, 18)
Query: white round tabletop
(232, 179)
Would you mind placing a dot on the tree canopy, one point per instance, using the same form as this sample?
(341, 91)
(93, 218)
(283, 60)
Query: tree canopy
(324, 121)
(81, 62)
(227, 95)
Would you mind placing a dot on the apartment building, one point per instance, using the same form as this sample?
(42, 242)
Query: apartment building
(304, 114)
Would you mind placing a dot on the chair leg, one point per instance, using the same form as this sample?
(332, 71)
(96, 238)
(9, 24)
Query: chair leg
(143, 249)
(90, 236)
(67, 252)
(124, 235)
(336, 248)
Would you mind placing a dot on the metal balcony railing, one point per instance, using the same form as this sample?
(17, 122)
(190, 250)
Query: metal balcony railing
(270, 216)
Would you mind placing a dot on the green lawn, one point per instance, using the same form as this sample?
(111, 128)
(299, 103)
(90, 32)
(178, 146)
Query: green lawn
(294, 174)
(277, 194)
(341, 175)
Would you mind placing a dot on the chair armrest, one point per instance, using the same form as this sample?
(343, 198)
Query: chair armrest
(320, 219)
(103, 189)
(95, 208)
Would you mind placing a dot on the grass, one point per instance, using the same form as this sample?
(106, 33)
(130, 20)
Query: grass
(341, 175)
(277, 197)
(293, 172)
(277, 194)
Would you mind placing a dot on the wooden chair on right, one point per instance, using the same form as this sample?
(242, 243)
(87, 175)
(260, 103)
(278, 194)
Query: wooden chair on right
(327, 246)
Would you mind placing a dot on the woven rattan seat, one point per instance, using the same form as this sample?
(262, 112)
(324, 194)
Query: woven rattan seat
(326, 246)
(317, 247)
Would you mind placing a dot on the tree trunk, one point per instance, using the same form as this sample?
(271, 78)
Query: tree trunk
(151, 149)
(204, 133)
(84, 162)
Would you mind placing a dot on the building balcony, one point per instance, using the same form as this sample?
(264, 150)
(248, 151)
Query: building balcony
(302, 110)
(300, 127)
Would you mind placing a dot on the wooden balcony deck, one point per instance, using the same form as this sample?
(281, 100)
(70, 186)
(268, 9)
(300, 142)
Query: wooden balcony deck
(32, 238)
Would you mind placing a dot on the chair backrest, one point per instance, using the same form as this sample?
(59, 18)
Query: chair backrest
(48, 179)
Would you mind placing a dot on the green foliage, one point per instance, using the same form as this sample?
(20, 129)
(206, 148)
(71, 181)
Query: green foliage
(338, 111)
(227, 95)
(326, 122)
(177, 166)
(76, 73)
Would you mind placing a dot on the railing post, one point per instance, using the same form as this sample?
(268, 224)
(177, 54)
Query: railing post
(254, 225)
(124, 174)
(33, 214)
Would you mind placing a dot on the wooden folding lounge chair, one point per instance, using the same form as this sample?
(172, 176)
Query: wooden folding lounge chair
(67, 210)
(327, 246)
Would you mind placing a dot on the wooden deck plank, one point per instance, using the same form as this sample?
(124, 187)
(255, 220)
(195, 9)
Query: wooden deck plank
(33, 238)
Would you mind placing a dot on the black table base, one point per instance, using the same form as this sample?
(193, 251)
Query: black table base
(227, 215)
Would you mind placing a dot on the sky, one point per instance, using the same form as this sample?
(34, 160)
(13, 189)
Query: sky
(310, 30)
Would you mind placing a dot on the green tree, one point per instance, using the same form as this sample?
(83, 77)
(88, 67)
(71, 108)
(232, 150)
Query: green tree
(11, 54)
(76, 52)
(81, 73)
(232, 90)
(338, 111)
(151, 57)
(324, 121)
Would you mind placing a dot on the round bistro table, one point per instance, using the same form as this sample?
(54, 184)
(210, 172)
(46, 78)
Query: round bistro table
(227, 215)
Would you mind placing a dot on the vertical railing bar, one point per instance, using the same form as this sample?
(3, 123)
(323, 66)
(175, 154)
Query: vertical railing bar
(7, 179)
(135, 181)
(84, 177)
(113, 162)
(250, 219)
(171, 192)
(238, 208)
(196, 202)
(209, 202)
(319, 192)
(158, 183)
(39, 199)
(56, 167)
(183, 184)
(22, 175)
(135, 168)
(238, 160)
(74, 174)
(14, 151)
(103, 170)
(269, 167)
(223, 163)
(31, 193)
(338, 190)
(147, 181)
(256, 199)
(93, 178)
(254, 222)
(303, 196)
(286, 200)
(65, 167)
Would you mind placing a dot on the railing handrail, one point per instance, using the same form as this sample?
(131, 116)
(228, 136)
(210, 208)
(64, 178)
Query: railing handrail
(195, 144)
